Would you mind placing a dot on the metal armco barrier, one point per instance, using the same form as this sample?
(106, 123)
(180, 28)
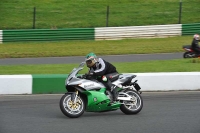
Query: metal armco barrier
(191, 29)
(1, 36)
(103, 33)
(153, 31)
(48, 34)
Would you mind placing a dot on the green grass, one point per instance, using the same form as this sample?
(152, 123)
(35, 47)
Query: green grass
(18, 14)
(109, 47)
(178, 65)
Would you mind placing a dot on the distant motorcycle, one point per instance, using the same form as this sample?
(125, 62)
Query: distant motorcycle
(85, 93)
(189, 52)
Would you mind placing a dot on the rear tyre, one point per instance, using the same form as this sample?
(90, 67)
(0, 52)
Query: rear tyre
(189, 55)
(72, 109)
(134, 106)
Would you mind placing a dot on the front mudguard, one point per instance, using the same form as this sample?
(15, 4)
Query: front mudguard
(73, 95)
(72, 90)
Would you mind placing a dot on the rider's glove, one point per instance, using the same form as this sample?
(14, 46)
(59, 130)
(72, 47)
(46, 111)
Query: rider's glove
(91, 74)
(79, 76)
(84, 76)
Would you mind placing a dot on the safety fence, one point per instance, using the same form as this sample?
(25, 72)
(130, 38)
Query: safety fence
(104, 33)
(55, 83)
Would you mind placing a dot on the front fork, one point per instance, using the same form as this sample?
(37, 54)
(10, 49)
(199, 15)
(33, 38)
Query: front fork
(74, 96)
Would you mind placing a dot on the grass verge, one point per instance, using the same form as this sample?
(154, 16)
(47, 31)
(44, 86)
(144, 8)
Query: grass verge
(81, 48)
(178, 65)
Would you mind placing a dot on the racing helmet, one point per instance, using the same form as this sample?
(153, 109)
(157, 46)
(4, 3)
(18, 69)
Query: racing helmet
(90, 59)
(196, 37)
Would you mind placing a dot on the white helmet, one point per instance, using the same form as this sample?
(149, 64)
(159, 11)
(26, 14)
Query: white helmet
(196, 37)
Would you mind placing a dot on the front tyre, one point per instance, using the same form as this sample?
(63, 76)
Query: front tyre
(135, 105)
(72, 109)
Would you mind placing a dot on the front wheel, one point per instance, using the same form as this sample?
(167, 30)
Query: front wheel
(70, 108)
(135, 105)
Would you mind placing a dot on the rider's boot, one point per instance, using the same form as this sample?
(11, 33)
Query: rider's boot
(114, 93)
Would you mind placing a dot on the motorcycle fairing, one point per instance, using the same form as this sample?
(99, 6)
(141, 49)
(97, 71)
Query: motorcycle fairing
(85, 84)
(98, 101)
(124, 79)
(91, 85)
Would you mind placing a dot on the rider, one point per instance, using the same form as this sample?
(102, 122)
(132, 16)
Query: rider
(195, 45)
(104, 70)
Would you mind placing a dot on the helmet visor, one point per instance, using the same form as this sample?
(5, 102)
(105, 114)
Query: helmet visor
(89, 61)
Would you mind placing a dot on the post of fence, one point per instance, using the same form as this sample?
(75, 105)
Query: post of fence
(107, 16)
(34, 14)
(180, 11)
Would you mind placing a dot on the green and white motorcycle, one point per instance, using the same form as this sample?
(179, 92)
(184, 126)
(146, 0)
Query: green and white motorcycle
(87, 94)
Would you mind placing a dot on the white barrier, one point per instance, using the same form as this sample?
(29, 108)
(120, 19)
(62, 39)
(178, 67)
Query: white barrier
(169, 81)
(1, 36)
(22, 84)
(114, 33)
(15, 84)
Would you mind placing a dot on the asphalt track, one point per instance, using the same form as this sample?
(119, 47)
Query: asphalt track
(78, 59)
(163, 112)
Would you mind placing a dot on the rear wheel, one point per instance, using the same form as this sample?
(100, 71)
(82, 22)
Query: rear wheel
(135, 105)
(189, 55)
(70, 108)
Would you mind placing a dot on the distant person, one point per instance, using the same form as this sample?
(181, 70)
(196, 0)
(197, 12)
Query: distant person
(195, 45)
